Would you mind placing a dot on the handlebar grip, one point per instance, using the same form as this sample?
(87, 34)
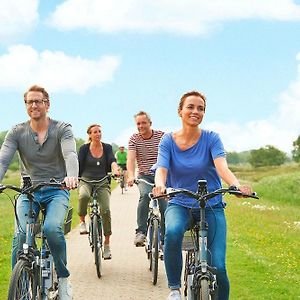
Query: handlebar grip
(254, 195)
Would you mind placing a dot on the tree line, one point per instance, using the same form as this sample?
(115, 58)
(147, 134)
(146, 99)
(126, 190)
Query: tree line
(264, 156)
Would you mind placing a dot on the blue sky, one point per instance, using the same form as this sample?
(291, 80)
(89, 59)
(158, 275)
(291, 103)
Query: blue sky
(103, 61)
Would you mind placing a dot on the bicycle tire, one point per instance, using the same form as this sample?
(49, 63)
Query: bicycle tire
(148, 242)
(97, 243)
(188, 258)
(154, 251)
(204, 290)
(23, 282)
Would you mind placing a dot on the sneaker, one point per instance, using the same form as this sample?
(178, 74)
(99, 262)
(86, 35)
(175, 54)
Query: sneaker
(64, 289)
(139, 239)
(82, 228)
(174, 295)
(106, 252)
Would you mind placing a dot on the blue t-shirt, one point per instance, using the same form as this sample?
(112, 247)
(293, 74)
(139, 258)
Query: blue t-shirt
(186, 167)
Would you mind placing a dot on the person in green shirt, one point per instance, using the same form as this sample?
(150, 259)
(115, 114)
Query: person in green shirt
(121, 157)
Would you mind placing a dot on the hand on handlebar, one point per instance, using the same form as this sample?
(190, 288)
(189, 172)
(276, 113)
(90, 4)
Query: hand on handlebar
(71, 182)
(158, 191)
(245, 191)
(130, 181)
(116, 172)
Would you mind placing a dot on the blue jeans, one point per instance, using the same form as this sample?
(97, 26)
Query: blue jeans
(177, 220)
(56, 202)
(143, 206)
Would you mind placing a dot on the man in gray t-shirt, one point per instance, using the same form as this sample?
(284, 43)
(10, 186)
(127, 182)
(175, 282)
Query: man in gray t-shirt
(47, 150)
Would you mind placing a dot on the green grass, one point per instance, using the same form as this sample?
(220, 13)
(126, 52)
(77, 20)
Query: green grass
(7, 229)
(263, 255)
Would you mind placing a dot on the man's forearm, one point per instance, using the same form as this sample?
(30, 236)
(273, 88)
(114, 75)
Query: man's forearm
(130, 168)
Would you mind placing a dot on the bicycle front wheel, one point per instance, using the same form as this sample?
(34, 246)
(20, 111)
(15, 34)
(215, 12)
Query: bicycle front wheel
(97, 243)
(23, 282)
(204, 290)
(154, 251)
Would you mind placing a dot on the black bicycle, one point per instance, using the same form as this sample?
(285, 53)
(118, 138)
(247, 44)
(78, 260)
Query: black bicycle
(200, 281)
(34, 275)
(95, 223)
(153, 245)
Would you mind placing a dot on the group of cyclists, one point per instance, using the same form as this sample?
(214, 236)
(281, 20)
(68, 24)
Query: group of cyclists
(47, 150)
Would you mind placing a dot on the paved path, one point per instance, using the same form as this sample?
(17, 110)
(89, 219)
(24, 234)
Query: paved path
(126, 275)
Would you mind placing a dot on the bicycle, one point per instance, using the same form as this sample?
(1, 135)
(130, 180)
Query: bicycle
(153, 245)
(121, 180)
(34, 275)
(200, 281)
(95, 223)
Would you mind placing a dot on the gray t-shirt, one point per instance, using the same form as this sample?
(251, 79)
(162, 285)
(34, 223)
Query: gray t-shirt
(55, 158)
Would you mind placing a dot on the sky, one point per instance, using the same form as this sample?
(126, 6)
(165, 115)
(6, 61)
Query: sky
(103, 61)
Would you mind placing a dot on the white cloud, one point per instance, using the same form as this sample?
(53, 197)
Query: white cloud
(23, 65)
(279, 129)
(176, 16)
(17, 17)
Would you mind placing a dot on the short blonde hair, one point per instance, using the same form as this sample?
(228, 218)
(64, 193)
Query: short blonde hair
(36, 88)
(143, 113)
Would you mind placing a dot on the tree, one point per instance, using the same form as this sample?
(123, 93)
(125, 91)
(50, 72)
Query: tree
(296, 150)
(79, 142)
(267, 156)
(235, 158)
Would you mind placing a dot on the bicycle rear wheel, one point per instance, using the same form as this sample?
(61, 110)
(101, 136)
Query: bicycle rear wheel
(23, 282)
(154, 251)
(97, 243)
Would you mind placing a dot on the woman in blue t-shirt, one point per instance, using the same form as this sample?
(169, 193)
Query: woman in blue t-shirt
(184, 157)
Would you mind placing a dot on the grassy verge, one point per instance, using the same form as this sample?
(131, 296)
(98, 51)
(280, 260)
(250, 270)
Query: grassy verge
(263, 237)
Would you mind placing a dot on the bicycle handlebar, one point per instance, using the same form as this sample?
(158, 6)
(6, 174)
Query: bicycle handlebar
(233, 190)
(109, 175)
(136, 181)
(32, 188)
